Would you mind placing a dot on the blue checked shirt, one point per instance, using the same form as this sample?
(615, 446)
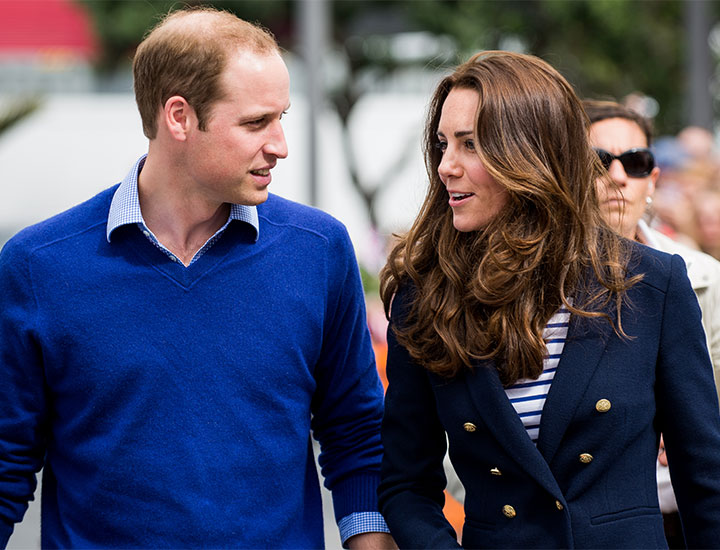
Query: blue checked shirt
(125, 209)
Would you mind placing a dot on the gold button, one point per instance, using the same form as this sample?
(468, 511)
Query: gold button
(509, 511)
(586, 458)
(469, 427)
(559, 505)
(603, 406)
(495, 472)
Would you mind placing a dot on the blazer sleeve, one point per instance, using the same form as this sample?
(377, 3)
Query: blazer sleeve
(688, 413)
(411, 490)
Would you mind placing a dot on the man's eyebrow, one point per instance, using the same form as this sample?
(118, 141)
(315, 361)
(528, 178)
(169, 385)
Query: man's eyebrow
(263, 115)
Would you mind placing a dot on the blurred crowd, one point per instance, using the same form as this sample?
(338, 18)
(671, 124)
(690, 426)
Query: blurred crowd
(686, 204)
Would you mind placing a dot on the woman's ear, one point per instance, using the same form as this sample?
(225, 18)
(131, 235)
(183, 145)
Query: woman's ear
(652, 180)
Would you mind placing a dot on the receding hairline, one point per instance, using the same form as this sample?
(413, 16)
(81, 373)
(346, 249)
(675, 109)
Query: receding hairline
(209, 23)
(194, 20)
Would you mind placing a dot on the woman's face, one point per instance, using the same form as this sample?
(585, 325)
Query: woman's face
(474, 196)
(622, 207)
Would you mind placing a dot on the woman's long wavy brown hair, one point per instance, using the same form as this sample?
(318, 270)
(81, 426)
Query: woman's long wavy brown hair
(488, 294)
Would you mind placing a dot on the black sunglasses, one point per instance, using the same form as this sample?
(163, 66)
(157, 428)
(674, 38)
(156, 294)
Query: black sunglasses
(637, 163)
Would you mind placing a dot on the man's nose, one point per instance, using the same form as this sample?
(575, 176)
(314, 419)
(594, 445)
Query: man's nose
(276, 144)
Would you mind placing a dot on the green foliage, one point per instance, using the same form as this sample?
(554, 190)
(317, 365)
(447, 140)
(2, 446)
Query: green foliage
(14, 111)
(606, 48)
(370, 282)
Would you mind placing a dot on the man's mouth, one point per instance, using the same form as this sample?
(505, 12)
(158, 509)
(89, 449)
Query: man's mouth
(263, 172)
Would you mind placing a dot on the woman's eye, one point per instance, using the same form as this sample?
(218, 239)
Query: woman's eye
(441, 146)
(470, 145)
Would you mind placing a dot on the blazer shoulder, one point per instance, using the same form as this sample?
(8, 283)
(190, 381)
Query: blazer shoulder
(656, 267)
(402, 302)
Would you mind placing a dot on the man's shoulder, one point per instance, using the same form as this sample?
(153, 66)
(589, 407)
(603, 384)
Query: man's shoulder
(74, 221)
(279, 211)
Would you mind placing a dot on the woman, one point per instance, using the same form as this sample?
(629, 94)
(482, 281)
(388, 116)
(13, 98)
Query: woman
(621, 138)
(510, 292)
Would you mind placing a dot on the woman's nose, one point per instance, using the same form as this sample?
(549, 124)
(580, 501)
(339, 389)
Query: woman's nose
(449, 167)
(617, 172)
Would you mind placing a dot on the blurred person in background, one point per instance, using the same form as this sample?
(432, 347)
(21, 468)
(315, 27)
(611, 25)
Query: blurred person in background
(707, 211)
(678, 191)
(167, 346)
(673, 211)
(621, 137)
(614, 131)
(698, 143)
(683, 201)
(543, 345)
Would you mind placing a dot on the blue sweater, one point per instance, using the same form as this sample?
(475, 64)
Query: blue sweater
(172, 406)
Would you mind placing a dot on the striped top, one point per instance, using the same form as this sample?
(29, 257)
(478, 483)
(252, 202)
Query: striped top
(528, 396)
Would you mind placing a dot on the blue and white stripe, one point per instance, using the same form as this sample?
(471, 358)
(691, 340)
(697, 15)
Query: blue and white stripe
(528, 396)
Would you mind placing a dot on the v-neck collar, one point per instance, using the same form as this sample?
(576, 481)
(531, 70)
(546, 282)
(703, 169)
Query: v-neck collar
(187, 276)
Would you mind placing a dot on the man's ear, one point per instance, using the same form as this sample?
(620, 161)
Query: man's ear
(178, 117)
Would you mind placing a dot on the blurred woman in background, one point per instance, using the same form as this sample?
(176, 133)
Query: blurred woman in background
(621, 137)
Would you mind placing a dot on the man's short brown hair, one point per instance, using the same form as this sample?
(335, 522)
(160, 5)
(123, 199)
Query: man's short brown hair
(185, 54)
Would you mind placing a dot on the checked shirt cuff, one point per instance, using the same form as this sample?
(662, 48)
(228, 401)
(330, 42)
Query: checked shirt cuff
(361, 522)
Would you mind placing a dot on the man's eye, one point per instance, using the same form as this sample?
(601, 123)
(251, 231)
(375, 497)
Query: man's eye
(255, 123)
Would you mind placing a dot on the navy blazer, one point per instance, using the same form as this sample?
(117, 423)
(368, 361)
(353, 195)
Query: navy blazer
(590, 482)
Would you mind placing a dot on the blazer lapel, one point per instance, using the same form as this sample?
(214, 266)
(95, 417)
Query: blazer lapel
(581, 355)
(503, 421)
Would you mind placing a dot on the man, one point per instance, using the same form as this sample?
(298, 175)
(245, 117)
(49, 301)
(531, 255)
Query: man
(167, 346)
(621, 138)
